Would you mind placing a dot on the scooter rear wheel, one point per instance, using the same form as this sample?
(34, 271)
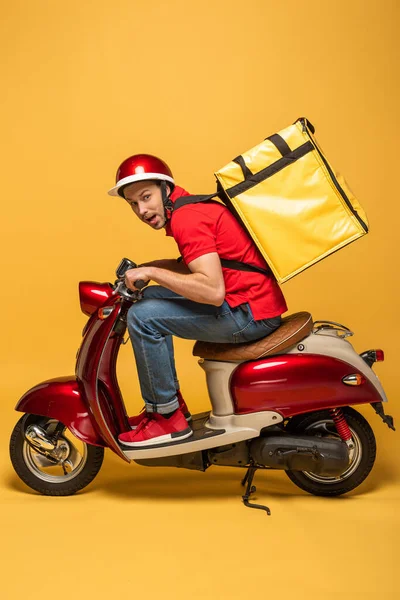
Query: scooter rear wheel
(362, 455)
(71, 468)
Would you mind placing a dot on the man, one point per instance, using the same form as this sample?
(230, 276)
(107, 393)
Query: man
(195, 299)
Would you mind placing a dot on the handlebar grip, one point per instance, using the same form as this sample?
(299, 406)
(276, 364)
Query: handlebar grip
(140, 284)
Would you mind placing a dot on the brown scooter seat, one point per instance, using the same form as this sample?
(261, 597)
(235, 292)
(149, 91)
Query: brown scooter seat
(293, 329)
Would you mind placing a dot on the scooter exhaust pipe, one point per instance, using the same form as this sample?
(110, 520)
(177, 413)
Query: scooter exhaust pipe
(326, 457)
(37, 437)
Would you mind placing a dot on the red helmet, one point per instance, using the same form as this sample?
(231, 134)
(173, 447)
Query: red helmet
(141, 167)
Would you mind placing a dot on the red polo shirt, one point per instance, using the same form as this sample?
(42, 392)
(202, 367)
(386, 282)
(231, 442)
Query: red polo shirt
(210, 227)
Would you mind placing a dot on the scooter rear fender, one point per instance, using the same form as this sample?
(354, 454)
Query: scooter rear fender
(61, 399)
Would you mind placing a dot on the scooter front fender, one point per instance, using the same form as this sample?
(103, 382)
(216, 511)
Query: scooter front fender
(61, 399)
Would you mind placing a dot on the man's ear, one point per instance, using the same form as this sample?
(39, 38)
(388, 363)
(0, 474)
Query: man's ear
(168, 189)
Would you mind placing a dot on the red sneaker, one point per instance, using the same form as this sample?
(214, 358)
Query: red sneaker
(156, 429)
(135, 421)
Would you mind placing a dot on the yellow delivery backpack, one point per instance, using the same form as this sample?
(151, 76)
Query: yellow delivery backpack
(290, 200)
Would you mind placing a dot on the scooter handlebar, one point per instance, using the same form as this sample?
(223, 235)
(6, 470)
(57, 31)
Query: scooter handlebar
(140, 284)
(121, 288)
(123, 267)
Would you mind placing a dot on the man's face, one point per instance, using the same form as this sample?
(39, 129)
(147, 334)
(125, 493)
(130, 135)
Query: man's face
(145, 199)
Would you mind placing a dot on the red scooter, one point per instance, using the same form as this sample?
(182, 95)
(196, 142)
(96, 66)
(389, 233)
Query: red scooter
(281, 402)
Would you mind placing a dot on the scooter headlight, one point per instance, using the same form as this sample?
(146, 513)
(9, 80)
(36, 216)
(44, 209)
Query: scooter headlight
(92, 295)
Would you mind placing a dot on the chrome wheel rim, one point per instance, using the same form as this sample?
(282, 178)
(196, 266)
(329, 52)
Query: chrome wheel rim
(56, 471)
(326, 428)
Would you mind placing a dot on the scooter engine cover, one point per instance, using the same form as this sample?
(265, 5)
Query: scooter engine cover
(301, 453)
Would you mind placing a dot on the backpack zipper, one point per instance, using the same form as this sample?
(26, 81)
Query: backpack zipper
(335, 181)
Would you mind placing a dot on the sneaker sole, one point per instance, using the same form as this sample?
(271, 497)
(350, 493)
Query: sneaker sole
(161, 439)
(188, 418)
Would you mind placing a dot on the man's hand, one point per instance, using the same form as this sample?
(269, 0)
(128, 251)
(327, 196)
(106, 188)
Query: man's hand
(133, 275)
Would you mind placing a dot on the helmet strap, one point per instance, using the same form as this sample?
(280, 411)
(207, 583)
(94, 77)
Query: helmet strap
(166, 200)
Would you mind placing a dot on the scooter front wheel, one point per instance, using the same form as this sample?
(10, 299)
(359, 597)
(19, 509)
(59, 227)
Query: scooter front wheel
(362, 454)
(63, 471)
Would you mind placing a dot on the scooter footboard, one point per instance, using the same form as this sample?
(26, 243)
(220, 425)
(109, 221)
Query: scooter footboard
(61, 399)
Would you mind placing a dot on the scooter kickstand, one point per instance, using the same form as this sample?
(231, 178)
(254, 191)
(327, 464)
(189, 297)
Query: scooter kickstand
(245, 478)
(250, 489)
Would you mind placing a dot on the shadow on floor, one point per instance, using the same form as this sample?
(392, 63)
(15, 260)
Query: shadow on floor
(129, 482)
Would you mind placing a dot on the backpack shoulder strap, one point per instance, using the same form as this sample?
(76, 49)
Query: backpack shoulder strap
(183, 200)
(241, 266)
(229, 264)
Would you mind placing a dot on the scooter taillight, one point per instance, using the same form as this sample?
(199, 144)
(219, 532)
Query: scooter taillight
(372, 356)
(92, 295)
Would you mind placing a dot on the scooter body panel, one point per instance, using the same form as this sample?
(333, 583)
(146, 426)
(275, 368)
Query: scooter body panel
(329, 343)
(96, 360)
(61, 399)
(90, 404)
(292, 384)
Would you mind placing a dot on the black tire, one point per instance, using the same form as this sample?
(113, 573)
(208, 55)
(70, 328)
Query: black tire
(362, 458)
(21, 453)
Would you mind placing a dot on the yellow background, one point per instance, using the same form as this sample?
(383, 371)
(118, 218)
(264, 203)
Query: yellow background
(84, 85)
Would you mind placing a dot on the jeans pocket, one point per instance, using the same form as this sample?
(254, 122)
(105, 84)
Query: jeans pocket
(270, 325)
(242, 334)
(223, 310)
(245, 322)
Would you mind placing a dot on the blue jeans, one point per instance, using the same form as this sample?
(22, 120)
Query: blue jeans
(160, 314)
